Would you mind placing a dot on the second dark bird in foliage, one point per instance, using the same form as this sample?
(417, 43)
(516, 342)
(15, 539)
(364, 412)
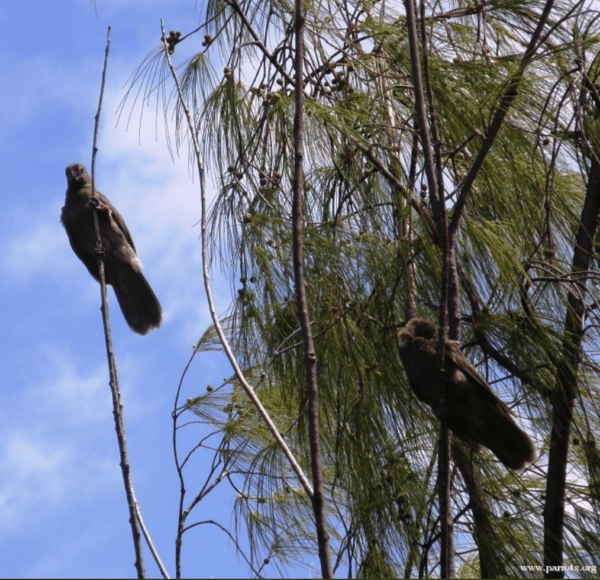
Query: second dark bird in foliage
(475, 414)
(123, 269)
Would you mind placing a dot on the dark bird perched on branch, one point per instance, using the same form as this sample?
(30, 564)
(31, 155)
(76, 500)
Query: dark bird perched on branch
(475, 414)
(123, 269)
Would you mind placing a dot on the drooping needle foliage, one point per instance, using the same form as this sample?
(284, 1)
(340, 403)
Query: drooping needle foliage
(526, 253)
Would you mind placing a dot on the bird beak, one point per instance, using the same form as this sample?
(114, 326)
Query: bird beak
(403, 341)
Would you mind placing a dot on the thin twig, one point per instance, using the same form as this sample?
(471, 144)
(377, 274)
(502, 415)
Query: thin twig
(231, 538)
(148, 538)
(179, 466)
(258, 42)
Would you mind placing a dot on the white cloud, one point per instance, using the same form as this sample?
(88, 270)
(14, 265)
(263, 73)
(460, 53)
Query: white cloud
(34, 245)
(36, 473)
(29, 468)
(39, 89)
(55, 449)
(78, 396)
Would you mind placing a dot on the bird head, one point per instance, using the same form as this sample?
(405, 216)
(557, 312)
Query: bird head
(76, 174)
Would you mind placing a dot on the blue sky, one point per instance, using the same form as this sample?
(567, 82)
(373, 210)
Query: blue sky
(62, 505)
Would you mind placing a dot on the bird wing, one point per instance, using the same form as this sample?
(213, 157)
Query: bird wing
(82, 247)
(456, 359)
(110, 211)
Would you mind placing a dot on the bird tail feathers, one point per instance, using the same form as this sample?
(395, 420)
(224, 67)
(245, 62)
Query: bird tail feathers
(507, 441)
(140, 307)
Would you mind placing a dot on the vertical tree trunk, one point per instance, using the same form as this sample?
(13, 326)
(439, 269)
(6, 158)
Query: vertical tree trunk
(318, 498)
(482, 532)
(566, 382)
